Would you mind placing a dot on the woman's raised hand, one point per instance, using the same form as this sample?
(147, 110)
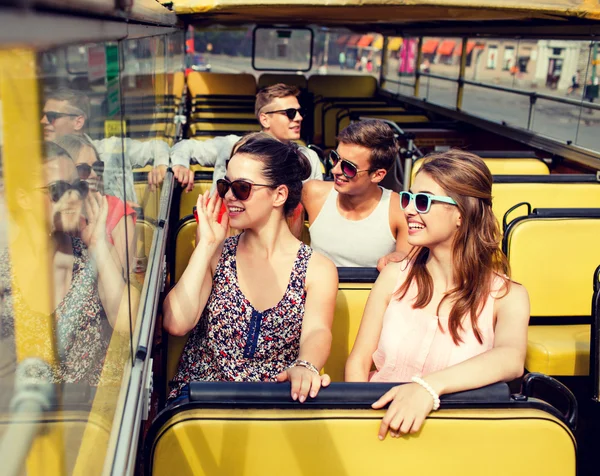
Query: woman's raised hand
(210, 232)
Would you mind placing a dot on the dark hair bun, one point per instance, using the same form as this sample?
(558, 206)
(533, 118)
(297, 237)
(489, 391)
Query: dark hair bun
(303, 164)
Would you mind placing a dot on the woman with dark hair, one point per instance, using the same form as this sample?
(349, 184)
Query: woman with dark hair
(260, 304)
(447, 318)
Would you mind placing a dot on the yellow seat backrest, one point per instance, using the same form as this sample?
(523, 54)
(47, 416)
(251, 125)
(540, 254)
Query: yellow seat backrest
(178, 83)
(332, 128)
(337, 86)
(269, 79)
(346, 86)
(308, 441)
(349, 307)
(543, 195)
(189, 199)
(554, 259)
(224, 127)
(499, 166)
(239, 84)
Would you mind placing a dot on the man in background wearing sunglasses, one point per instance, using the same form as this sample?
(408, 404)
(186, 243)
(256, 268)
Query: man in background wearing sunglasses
(67, 111)
(279, 114)
(353, 220)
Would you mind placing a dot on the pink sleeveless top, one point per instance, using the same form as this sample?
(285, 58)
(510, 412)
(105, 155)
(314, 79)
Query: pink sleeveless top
(412, 343)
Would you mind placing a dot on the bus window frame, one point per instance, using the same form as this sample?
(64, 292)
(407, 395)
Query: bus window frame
(291, 29)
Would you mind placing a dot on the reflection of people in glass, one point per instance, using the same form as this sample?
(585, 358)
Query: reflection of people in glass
(68, 112)
(120, 222)
(89, 298)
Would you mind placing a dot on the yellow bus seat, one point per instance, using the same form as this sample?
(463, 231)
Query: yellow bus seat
(215, 128)
(255, 434)
(188, 199)
(201, 84)
(398, 117)
(339, 85)
(323, 87)
(269, 79)
(178, 85)
(503, 166)
(349, 306)
(543, 191)
(210, 114)
(555, 270)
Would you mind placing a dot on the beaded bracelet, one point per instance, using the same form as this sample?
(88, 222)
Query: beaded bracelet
(306, 364)
(426, 386)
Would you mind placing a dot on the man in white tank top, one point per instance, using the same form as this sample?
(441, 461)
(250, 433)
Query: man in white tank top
(352, 220)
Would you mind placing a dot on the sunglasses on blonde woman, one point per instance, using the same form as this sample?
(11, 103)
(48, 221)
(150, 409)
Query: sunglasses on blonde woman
(422, 201)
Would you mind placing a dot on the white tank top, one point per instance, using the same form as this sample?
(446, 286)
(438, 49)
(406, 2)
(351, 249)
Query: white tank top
(356, 243)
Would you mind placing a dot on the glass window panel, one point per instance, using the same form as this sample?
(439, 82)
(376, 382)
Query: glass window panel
(497, 106)
(439, 91)
(79, 222)
(401, 65)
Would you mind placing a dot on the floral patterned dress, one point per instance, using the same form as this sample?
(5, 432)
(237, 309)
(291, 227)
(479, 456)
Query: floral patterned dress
(235, 342)
(81, 330)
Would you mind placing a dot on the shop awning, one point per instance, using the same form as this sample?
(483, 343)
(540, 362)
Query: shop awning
(354, 39)
(446, 48)
(429, 47)
(365, 41)
(378, 43)
(470, 46)
(395, 43)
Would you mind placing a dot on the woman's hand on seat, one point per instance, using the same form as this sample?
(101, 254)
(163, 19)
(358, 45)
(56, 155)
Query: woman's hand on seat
(210, 231)
(304, 382)
(410, 405)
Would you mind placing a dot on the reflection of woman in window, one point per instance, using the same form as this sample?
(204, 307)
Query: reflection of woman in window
(88, 287)
(120, 222)
(259, 305)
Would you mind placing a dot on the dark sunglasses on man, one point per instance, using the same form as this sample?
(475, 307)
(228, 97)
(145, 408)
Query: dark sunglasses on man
(240, 188)
(349, 169)
(290, 112)
(53, 116)
(57, 189)
(84, 170)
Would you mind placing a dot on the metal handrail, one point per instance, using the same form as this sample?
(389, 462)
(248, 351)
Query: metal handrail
(137, 391)
(532, 95)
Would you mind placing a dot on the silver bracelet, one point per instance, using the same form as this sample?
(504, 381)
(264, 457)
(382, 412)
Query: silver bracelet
(306, 364)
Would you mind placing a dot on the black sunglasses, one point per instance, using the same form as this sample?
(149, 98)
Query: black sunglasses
(349, 169)
(53, 116)
(59, 188)
(290, 112)
(84, 170)
(240, 188)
